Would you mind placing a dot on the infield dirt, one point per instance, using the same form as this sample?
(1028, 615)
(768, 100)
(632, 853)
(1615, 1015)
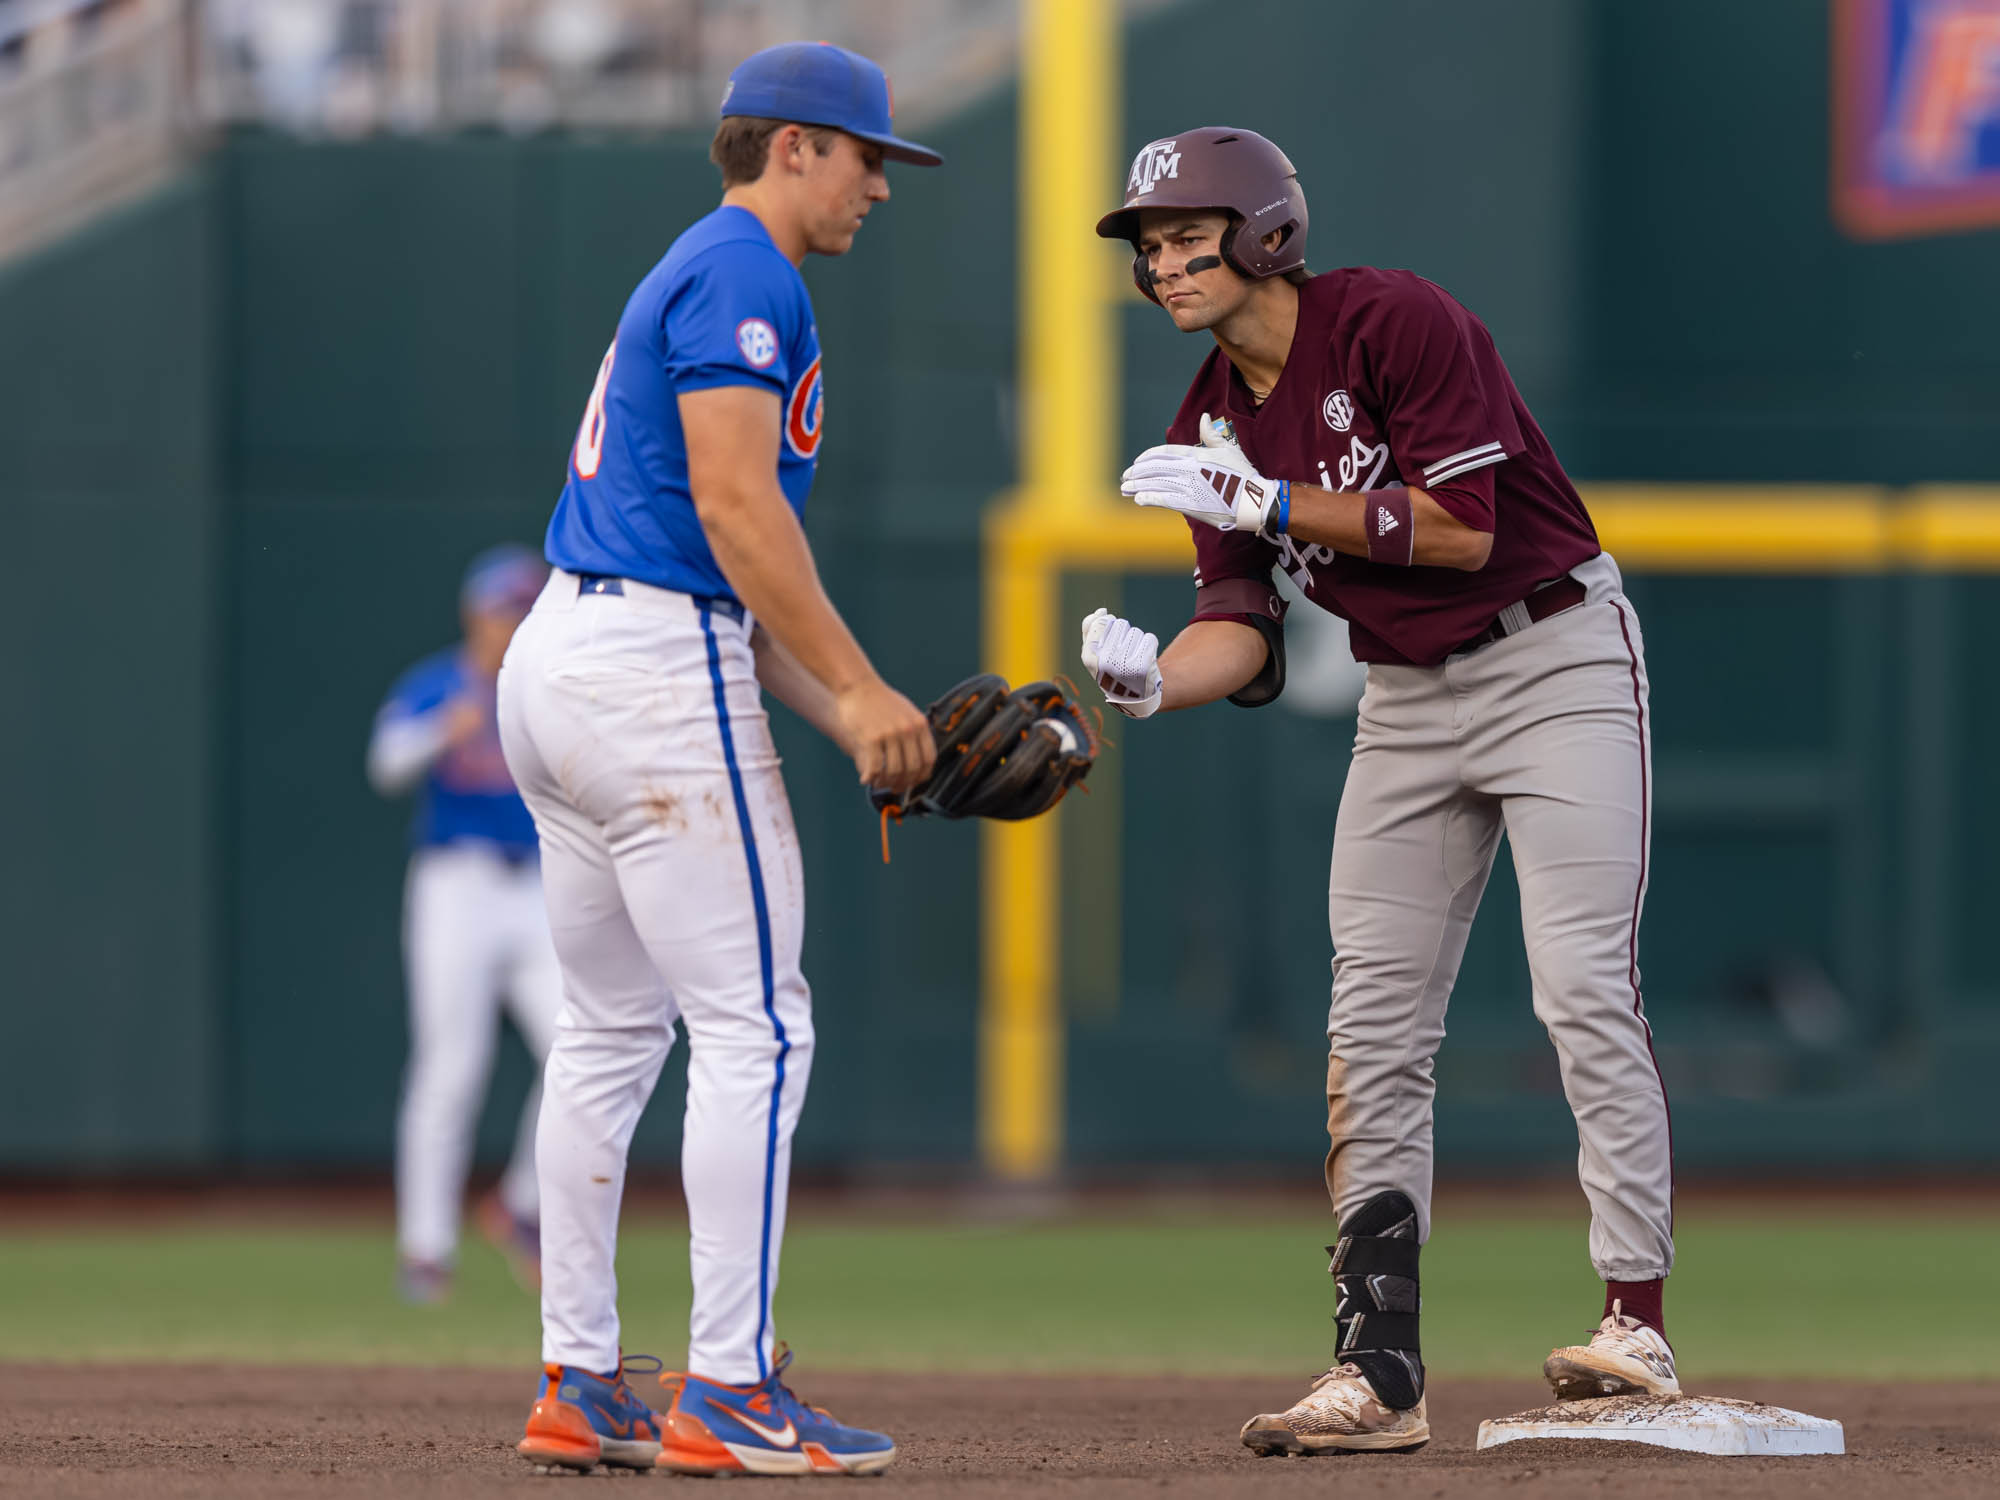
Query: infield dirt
(194, 1431)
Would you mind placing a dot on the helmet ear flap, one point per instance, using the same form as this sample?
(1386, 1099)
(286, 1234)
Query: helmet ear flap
(1236, 263)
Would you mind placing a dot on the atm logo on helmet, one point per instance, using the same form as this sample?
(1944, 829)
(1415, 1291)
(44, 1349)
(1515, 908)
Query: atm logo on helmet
(804, 411)
(1153, 165)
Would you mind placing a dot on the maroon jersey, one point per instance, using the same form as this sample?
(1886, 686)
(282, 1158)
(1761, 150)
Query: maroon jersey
(1390, 381)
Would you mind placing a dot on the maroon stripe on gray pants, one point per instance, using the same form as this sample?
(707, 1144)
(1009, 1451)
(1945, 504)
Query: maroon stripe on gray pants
(1639, 896)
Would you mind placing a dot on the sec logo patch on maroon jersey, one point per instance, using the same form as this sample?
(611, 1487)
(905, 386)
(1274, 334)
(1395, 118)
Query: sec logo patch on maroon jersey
(1338, 410)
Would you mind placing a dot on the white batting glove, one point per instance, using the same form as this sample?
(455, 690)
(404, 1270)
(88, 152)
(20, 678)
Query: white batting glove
(1123, 661)
(1214, 483)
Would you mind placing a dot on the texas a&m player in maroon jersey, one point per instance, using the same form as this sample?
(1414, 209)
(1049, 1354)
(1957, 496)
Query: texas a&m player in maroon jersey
(1358, 430)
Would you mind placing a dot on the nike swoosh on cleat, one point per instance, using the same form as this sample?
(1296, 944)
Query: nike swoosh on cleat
(778, 1437)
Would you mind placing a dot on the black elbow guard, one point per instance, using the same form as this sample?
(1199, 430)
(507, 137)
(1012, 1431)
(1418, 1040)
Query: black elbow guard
(1270, 681)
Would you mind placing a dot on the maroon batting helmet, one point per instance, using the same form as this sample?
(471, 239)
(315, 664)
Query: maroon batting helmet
(1218, 167)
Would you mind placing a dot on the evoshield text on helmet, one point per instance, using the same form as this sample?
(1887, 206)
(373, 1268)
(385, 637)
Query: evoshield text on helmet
(1237, 172)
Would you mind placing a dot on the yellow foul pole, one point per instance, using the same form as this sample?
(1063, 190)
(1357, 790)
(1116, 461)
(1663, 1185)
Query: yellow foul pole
(1068, 413)
(1067, 167)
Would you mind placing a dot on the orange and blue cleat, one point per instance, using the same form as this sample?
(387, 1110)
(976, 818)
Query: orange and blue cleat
(712, 1428)
(581, 1420)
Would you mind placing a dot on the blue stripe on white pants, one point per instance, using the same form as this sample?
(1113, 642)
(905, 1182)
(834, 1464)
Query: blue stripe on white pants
(769, 992)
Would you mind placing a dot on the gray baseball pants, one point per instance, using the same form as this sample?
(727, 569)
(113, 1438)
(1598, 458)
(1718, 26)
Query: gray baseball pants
(1544, 736)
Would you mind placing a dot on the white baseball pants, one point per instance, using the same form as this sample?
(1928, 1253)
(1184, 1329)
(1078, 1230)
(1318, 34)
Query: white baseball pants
(1545, 736)
(635, 728)
(475, 938)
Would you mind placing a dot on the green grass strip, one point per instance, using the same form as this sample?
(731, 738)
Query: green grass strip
(1174, 1293)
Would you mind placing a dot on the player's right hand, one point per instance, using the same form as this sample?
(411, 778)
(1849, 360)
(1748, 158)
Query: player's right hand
(1213, 483)
(1123, 661)
(887, 734)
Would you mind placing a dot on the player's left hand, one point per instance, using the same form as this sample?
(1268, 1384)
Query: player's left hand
(1214, 483)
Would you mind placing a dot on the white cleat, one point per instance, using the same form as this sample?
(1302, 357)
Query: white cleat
(1340, 1414)
(1623, 1358)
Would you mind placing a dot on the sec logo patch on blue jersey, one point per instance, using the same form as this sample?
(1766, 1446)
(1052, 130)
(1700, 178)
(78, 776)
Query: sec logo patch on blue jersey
(759, 342)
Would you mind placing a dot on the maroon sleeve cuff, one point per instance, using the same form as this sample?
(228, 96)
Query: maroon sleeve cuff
(1234, 598)
(1468, 499)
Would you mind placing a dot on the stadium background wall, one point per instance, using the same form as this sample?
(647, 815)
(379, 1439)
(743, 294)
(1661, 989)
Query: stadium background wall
(251, 429)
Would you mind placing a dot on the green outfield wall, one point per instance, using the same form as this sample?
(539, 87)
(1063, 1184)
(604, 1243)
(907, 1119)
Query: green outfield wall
(111, 926)
(251, 430)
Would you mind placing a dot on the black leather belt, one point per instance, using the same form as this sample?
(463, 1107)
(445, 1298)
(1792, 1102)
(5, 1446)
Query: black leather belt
(606, 583)
(1564, 593)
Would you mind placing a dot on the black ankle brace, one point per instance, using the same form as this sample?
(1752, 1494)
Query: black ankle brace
(1376, 1298)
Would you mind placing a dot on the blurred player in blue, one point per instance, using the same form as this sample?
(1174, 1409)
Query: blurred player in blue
(631, 707)
(475, 929)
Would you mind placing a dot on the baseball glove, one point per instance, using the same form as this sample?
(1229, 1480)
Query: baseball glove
(1000, 754)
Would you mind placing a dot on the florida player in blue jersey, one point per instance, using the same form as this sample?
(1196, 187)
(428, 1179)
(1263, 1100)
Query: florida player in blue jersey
(632, 713)
(475, 934)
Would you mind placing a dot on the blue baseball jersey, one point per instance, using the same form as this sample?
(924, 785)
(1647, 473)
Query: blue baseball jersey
(467, 793)
(723, 307)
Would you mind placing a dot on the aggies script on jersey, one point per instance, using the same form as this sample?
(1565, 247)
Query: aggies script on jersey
(1390, 381)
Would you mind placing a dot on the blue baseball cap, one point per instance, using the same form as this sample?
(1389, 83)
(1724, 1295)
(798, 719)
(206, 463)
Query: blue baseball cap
(503, 580)
(817, 83)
